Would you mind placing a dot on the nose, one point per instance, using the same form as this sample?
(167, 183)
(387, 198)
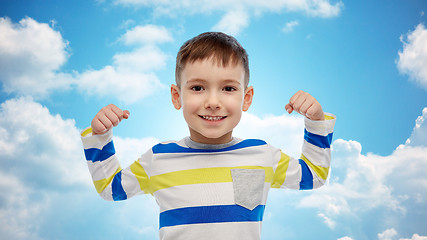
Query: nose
(213, 101)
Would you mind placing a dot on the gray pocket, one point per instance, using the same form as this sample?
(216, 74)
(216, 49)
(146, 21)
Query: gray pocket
(248, 185)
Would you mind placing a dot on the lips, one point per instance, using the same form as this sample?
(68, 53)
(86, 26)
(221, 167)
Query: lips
(213, 118)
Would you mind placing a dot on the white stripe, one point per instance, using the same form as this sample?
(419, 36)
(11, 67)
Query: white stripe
(318, 156)
(171, 162)
(293, 175)
(322, 128)
(97, 141)
(213, 231)
(276, 154)
(104, 169)
(318, 182)
(107, 194)
(130, 183)
(193, 195)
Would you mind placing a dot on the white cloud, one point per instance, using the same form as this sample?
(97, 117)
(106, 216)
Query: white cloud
(289, 26)
(391, 234)
(40, 153)
(360, 185)
(415, 237)
(40, 141)
(388, 234)
(232, 22)
(45, 183)
(345, 238)
(238, 13)
(363, 183)
(16, 214)
(128, 87)
(132, 76)
(127, 24)
(413, 59)
(129, 150)
(31, 54)
(327, 220)
(419, 136)
(43, 171)
(141, 60)
(148, 34)
(285, 132)
(317, 8)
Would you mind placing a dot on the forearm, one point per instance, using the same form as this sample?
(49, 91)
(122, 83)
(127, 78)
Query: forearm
(102, 162)
(316, 152)
(111, 181)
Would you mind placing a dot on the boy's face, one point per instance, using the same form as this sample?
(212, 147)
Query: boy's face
(212, 98)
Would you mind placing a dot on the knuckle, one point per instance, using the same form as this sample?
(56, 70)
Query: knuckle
(109, 125)
(104, 109)
(303, 109)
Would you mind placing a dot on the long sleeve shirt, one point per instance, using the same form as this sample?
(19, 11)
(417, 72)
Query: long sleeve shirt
(210, 191)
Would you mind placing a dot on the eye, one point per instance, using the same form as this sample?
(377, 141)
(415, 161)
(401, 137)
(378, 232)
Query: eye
(229, 89)
(197, 88)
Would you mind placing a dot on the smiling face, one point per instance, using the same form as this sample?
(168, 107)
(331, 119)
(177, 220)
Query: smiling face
(212, 98)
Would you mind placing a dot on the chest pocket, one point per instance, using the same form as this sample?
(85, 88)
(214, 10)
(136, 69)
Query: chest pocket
(248, 186)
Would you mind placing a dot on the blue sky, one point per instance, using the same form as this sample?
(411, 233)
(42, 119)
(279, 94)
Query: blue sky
(60, 62)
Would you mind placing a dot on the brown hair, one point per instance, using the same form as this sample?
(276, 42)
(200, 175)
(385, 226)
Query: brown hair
(221, 47)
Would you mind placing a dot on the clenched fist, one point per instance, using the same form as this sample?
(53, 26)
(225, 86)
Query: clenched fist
(107, 118)
(306, 105)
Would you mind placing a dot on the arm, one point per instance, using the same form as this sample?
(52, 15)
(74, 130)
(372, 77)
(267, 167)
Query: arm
(110, 180)
(312, 168)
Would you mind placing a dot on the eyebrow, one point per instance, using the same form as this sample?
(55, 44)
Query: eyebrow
(223, 82)
(196, 80)
(232, 81)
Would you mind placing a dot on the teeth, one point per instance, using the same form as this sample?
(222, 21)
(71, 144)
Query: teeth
(212, 118)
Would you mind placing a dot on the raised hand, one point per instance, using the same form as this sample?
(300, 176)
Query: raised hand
(107, 118)
(305, 104)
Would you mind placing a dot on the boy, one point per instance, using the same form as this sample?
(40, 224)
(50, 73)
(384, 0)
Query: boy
(210, 185)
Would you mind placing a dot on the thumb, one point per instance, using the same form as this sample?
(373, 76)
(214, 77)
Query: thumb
(289, 108)
(126, 114)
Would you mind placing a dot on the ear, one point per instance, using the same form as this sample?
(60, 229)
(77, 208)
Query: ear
(247, 100)
(176, 98)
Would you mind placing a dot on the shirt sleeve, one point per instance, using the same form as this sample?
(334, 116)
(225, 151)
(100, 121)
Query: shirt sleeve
(111, 181)
(312, 168)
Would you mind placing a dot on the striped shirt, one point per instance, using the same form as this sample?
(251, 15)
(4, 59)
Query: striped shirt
(210, 191)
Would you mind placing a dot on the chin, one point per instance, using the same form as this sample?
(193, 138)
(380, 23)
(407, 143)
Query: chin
(216, 136)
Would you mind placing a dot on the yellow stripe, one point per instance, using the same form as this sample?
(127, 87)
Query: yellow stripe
(140, 175)
(86, 132)
(328, 117)
(320, 171)
(199, 176)
(100, 185)
(280, 174)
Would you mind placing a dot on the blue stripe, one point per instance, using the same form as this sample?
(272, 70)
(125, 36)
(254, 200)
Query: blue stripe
(175, 148)
(306, 178)
(95, 154)
(210, 214)
(318, 140)
(117, 188)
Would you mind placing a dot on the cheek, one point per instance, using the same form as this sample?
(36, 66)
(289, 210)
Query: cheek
(189, 104)
(234, 104)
